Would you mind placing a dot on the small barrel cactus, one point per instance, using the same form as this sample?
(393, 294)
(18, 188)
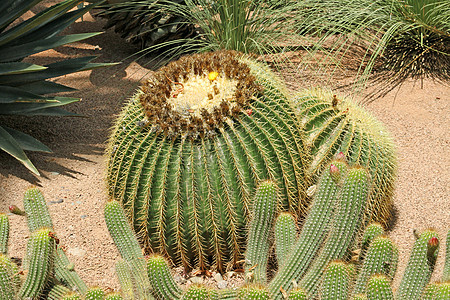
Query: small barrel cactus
(333, 125)
(189, 148)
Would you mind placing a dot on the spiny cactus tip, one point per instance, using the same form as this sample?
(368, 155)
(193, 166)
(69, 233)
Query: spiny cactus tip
(15, 210)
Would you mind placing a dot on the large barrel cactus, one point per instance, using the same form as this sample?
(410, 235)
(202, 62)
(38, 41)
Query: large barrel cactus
(332, 125)
(190, 147)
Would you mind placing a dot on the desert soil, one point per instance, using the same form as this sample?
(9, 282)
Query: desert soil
(72, 177)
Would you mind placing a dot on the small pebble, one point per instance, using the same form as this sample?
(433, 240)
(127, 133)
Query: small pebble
(179, 279)
(222, 284)
(56, 201)
(218, 277)
(84, 216)
(54, 173)
(196, 280)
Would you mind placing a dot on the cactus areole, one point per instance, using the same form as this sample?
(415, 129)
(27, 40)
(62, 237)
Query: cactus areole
(189, 149)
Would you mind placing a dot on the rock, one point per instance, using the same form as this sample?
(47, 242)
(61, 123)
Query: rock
(56, 201)
(222, 284)
(196, 280)
(179, 279)
(83, 216)
(218, 277)
(77, 252)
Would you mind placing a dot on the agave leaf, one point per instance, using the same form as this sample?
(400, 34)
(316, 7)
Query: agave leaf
(12, 147)
(46, 87)
(52, 112)
(14, 9)
(11, 94)
(54, 27)
(18, 68)
(23, 50)
(35, 22)
(53, 70)
(33, 107)
(27, 142)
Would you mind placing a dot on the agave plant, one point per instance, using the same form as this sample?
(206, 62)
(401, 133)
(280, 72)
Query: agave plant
(24, 86)
(145, 23)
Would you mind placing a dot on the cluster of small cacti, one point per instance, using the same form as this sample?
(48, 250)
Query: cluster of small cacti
(46, 271)
(325, 261)
(190, 146)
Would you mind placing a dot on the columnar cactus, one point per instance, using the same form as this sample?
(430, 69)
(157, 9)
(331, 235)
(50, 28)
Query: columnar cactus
(40, 258)
(330, 125)
(4, 233)
(336, 281)
(379, 288)
(285, 236)
(264, 212)
(129, 249)
(420, 266)
(314, 230)
(381, 258)
(190, 147)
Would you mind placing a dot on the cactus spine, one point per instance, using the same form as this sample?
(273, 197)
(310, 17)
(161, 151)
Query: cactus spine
(297, 294)
(253, 292)
(264, 211)
(332, 125)
(188, 150)
(7, 290)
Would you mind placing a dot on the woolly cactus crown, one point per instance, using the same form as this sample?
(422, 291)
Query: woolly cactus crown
(196, 94)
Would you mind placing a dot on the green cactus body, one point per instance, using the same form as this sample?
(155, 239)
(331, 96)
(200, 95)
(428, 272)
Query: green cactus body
(7, 290)
(381, 258)
(65, 273)
(285, 236)
(36, 210)
(160, 278)
(346, 224)
(57, 292)
(40, 257)
(190, 147)
(336, 281)
(372, 231)
(297, 294)
(94, 294)
(113, 296)
(446, 274)
(420, 266)
(128, 246)
(71, 296)
(333, 125)
(196, 292)
(125, 277)
(38, 216)
(359, 297)
(253, 292)
(430, 292)
(227, 294)
(442, 291)
(264, 211)
(4, 233)
(313, 233)
(379, 288)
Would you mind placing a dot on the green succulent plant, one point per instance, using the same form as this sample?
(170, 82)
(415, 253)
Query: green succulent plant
(25, 87)
(332, 125)
(331, 274)
(190, 146)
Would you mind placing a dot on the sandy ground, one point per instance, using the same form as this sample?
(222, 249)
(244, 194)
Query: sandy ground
(73, 176)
